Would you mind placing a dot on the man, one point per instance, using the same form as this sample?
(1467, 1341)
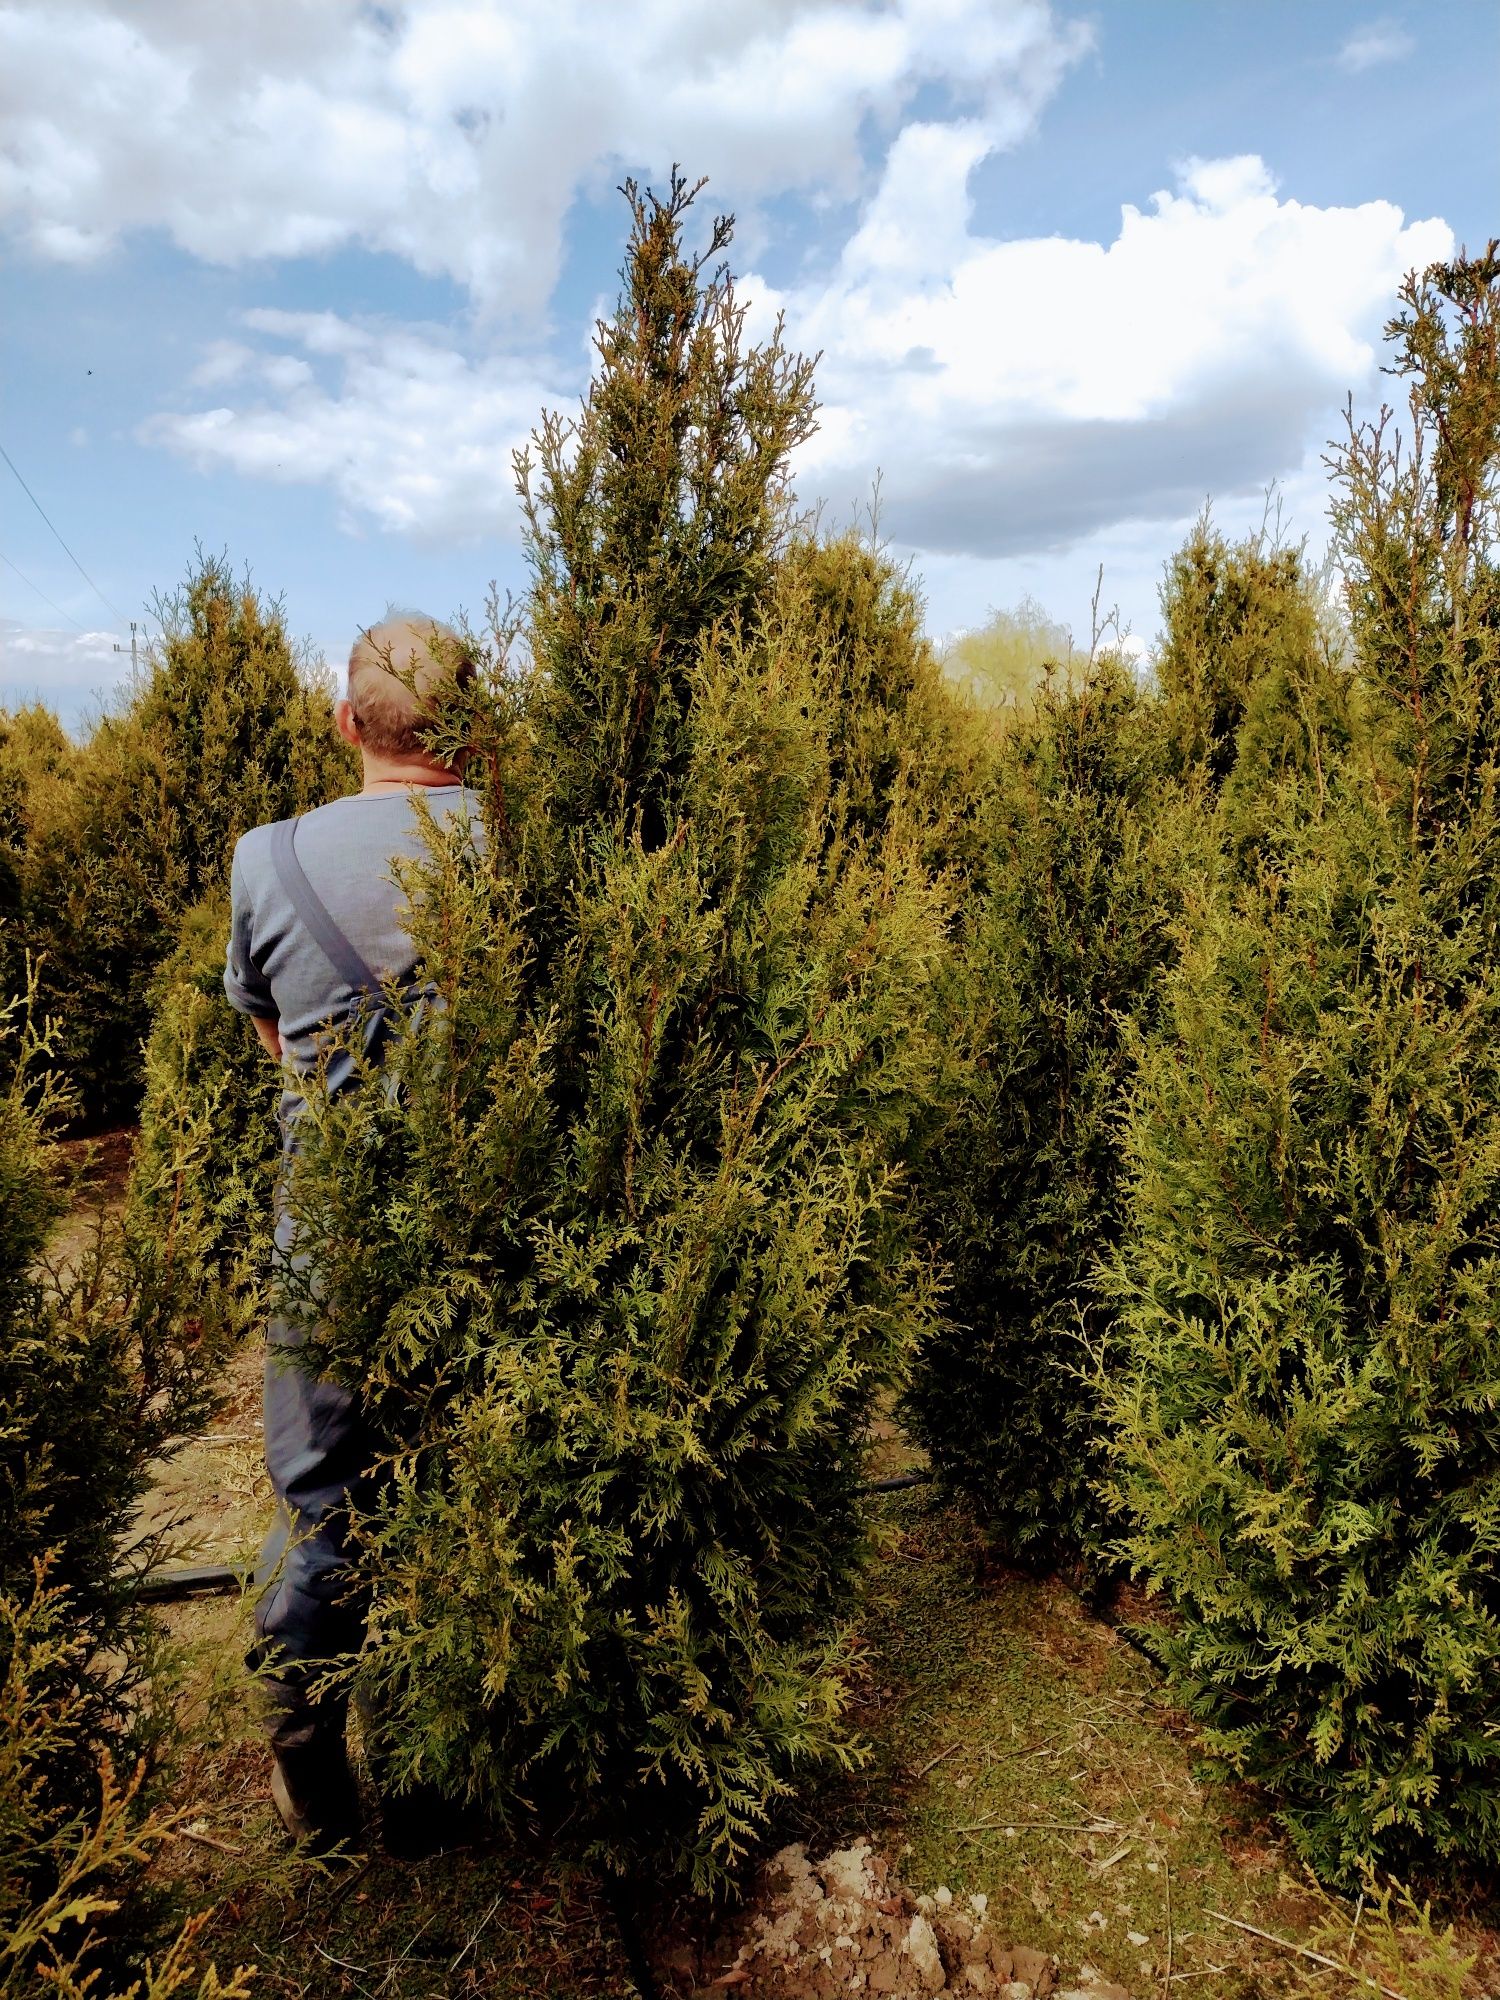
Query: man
(316, 937)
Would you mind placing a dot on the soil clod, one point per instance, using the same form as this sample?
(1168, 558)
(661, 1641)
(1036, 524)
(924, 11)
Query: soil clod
(847, 1925)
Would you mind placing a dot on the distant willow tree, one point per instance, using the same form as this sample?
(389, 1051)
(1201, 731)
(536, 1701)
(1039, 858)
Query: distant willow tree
(1003, 664)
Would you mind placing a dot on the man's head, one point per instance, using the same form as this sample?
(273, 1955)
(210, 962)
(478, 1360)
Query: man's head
(397, 670)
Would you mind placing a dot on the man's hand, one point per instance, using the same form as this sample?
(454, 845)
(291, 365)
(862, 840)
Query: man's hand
(270, 1035)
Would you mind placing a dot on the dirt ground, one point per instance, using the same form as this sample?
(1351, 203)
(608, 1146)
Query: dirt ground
(1028, 1824)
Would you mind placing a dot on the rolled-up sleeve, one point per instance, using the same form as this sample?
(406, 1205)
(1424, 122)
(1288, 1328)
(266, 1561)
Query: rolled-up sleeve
(244, 983)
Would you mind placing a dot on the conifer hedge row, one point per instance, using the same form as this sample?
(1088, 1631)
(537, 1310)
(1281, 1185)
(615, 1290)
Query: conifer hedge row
(1305, 1428)
(1229, 1217)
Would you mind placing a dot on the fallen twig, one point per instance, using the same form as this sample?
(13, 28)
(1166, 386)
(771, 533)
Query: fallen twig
(411, 1944)
(469, 1943)
(207, 1840)
(1305, 1951)
(345, 1966)
(933, 1762)
(993, 1824)
(1166, 1985)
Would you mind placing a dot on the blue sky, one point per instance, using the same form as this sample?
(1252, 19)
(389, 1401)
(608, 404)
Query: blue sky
(291, 279)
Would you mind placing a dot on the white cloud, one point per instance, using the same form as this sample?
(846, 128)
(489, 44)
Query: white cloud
(1376, 43)
(1015, 397)
(69, 671)
(1022, 394)
(455, 134)
(410, 432)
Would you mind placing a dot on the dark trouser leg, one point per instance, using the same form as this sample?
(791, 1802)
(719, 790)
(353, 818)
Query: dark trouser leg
(308, 1615)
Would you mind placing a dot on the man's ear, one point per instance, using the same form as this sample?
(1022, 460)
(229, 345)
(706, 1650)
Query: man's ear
(347, 722)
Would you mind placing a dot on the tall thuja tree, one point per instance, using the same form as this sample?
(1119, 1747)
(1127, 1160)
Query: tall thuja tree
(617, 1255)
(903, 741)
(36, 759)
(225, 728)
(1247, 661)
(1306, 1441)
(1063, 950)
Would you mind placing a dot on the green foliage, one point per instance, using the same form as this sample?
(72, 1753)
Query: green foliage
(1063, 954)
(1004, 664)
(61, 1873)
(901, 743)
(617, 1256)
(224, 729)
(1389, 1943)
(101, 1366)
(36, 757)
(654, 518)
(200, 1196)
(1246, 658)
(1307, 1447)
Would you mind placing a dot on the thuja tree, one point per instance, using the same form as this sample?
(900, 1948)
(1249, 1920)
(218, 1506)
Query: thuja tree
(910, 760)
(100, 1369)
(616, 1255)
(1063, 951)
(1306, 1439)
(36, 757)
(902, 740)
(224, 729)
(1246, 638)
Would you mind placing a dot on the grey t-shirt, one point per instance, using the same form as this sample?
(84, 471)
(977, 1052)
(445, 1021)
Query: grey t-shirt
(273, 966)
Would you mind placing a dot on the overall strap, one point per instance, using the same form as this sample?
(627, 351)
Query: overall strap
(315, 914)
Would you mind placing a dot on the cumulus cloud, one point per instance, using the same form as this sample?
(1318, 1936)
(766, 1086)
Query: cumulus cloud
(1014, 396)
(455, 134)
(1376, 43)
(409, 431)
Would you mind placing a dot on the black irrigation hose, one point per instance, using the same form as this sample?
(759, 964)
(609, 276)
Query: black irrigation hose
(173, 1586)
(899, 1483)
(177, 1586)
(617, 1895)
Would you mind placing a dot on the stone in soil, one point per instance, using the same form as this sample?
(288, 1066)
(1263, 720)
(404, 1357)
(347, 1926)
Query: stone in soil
(847, 1925)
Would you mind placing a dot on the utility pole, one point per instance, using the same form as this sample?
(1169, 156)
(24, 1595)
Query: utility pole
(120, 649)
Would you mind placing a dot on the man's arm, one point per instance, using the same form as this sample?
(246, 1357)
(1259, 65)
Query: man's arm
(245, 985)
(269, 1031)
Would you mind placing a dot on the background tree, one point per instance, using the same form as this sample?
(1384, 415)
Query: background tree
(225, 728)
(902, 741)
(1003, 664)
(1306, 1441)
(36, 759)
(1062, 953)
(618, 1256)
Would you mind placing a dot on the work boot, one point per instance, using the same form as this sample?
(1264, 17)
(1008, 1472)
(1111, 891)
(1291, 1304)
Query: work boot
(315, 1795)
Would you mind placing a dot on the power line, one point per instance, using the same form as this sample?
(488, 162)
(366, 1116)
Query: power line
(118, 613)
(41, 593)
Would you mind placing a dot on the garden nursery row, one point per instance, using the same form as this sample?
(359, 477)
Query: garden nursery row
(1085, 1068)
